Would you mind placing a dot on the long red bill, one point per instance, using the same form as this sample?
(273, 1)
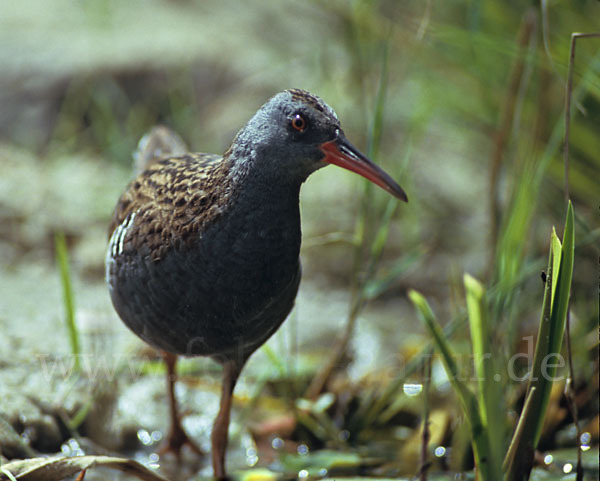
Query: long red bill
(342, 153)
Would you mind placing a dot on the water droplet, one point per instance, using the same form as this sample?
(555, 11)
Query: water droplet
(144, 437)
(548, 459)
(302, 449)
(156, 436)
(277, 443)
(440, 451)
(303, 474)
(567, 468)
(72, 448)
(251, 457)
(412, 389)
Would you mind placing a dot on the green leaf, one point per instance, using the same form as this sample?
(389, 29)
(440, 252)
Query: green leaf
(479, 335)
(468, 401)
(313, 463)
(489, 385)
(550, 334)
(563, 284)
(62, 259)
(561, 288)
(556, 247)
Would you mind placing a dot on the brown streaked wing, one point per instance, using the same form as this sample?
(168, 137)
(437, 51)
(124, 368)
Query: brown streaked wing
(172, 200)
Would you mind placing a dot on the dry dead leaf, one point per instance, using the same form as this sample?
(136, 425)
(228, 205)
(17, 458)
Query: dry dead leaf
(56, 469)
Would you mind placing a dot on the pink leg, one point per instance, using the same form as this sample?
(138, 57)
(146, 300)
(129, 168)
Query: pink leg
(177, 437)
(231, 372)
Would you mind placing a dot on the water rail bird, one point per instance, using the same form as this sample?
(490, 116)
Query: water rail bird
(203, 256)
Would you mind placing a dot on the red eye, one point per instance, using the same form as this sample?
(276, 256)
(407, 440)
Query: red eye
(299, 123)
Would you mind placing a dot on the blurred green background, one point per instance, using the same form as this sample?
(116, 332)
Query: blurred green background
(462, 102)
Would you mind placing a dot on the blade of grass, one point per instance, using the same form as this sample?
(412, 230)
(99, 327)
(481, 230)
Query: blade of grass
(544, 345)
(517, 465)
(480, 337)
(488, 375)
(563, 286)
(276, 360)
(514, 462)
(425, 436)
(465, 395)
(556, 247)
(550, 334)
(468, 401)
(62, 259)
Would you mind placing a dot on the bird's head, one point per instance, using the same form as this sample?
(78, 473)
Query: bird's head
(295, 133)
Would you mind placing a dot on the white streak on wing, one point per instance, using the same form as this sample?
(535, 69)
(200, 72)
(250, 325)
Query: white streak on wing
(115, 244)
(120, 233)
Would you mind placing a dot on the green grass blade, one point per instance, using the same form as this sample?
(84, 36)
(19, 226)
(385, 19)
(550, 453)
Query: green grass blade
(62, 260)
(514, 458)
(556, 247)
(547, 349)
(518, 457)
(442, 345)
(489, 385)
(479, 338)
(550, 346)
(276, 360)
(563, 284)
(468, 401)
